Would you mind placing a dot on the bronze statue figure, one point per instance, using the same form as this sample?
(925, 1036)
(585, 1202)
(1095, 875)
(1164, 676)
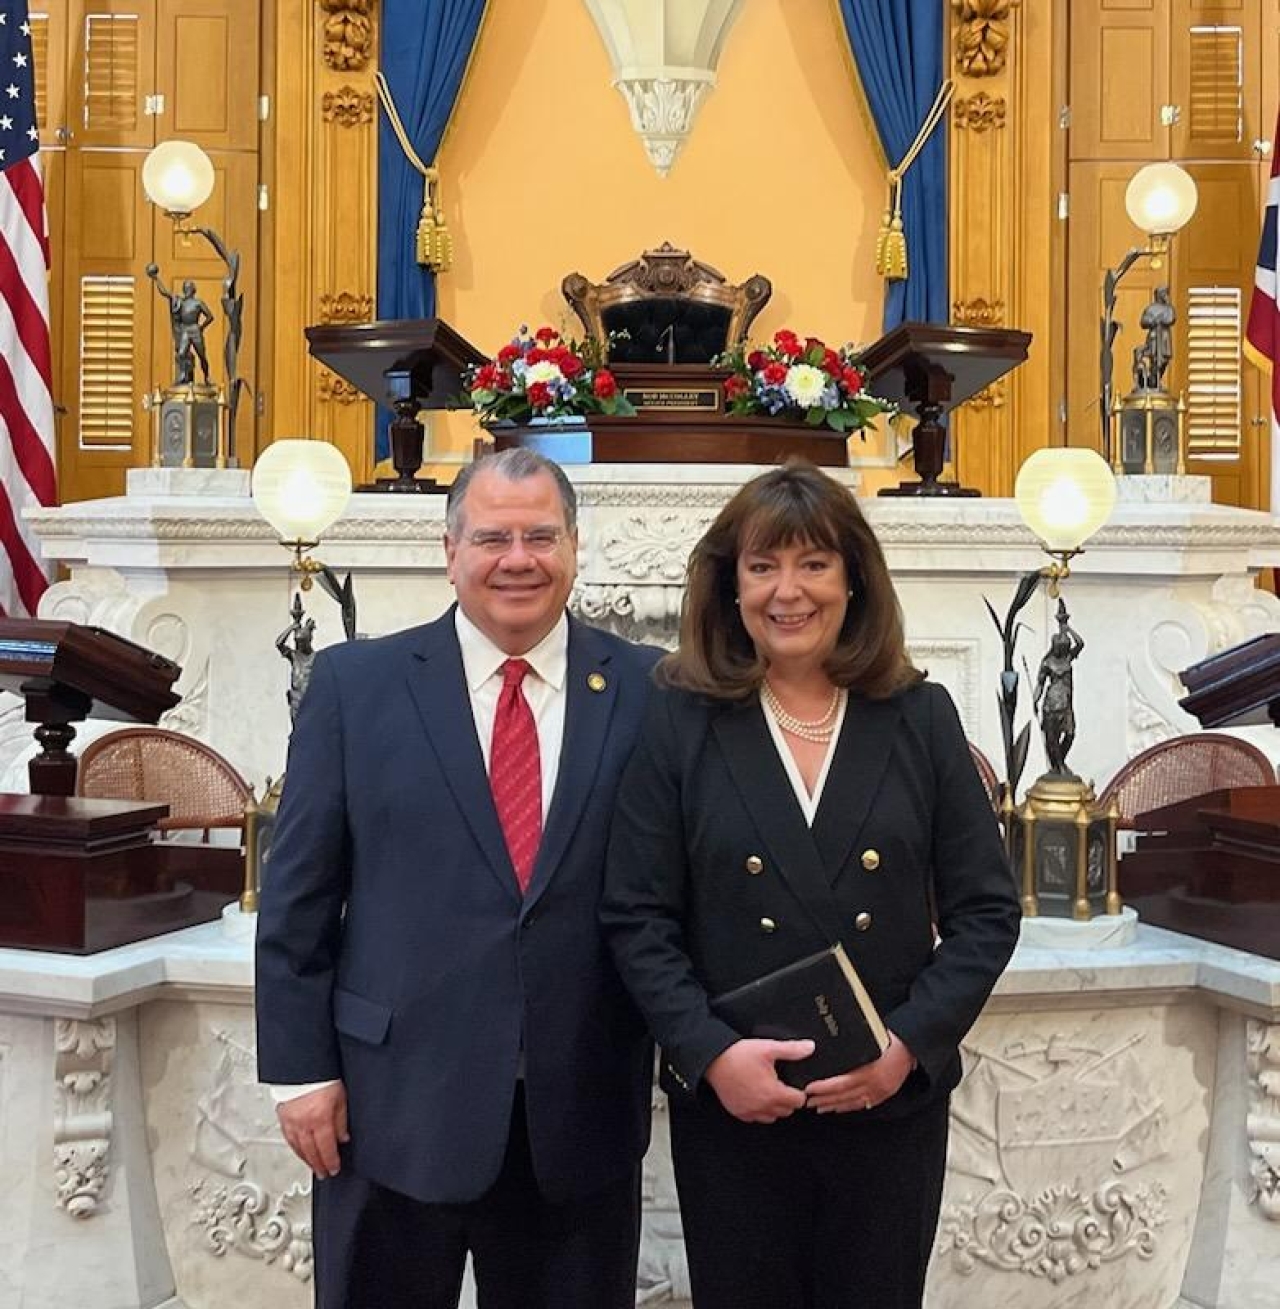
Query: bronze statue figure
(301, 655)
(188, 317)
(1053, 699)
(1157, 350)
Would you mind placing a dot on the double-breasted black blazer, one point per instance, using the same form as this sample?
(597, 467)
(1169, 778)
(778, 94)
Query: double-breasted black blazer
(715, 878)
(396, 952)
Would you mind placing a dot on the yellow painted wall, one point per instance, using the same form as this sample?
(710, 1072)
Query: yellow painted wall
(543, 175)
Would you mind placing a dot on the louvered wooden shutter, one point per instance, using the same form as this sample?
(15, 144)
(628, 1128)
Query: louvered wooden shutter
(1213, 371)
(1216, 92)
(107, 392)
(111, 89)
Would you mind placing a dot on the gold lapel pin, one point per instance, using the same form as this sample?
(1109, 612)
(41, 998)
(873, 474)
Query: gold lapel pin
(596, 681)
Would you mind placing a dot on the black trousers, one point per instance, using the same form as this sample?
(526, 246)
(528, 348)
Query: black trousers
(832, 1211)
(378, 1249)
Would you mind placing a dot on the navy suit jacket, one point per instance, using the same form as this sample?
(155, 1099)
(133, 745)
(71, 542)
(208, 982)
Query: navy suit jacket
(715, 878)
(396, 952)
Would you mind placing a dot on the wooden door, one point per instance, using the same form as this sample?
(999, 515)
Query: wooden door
(1216, 80)
(1119, 78)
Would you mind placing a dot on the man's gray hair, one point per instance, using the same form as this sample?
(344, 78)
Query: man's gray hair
(514, 466)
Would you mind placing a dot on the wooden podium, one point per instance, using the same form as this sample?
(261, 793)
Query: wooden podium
(1210, 867)
(406, 365)
(931, 368)
(80, 875)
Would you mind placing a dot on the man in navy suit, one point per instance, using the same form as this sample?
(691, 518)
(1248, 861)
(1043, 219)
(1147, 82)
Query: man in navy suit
(453, 1053)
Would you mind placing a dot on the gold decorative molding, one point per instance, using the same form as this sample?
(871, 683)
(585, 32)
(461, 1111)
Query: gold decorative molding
(347, 107)
(979, 112)
(982, 37)
(990, 397)
(345, 307)
(348, 34)
(978, 313)
(336, 390)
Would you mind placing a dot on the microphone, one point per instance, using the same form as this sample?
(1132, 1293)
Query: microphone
(669, 336)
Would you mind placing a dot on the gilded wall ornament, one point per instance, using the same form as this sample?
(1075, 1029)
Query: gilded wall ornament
(982, 37)
(348, 34)
(979, 113)
(347, 107)
(334, 389)
(978, 313)
(345, 307)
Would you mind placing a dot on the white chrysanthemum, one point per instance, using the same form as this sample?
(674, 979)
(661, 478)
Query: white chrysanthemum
(805, 385)
(543, 371)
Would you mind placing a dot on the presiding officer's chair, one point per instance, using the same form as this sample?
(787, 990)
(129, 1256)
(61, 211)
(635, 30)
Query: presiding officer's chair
(673, 308)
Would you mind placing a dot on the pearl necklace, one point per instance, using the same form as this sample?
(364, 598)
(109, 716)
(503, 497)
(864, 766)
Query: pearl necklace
(820, 730)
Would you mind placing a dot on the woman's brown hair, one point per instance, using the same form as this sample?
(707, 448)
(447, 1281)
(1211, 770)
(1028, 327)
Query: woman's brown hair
(794, 503)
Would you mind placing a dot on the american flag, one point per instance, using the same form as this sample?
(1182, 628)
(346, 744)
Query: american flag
(1262, 334)
(26, 401)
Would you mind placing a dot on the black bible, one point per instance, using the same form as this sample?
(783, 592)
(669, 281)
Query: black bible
(821, 999)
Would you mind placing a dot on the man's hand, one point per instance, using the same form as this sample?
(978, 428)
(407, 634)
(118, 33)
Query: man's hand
(314, 1125)
(864, 1087)
(747, 1083)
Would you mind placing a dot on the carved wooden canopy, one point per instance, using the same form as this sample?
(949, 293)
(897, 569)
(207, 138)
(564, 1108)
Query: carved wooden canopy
(670, 305)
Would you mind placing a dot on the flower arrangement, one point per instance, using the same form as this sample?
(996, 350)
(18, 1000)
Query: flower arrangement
(795, 378)
(545, 376)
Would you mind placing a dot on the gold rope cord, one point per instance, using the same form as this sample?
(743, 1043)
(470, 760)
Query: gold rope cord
(433, 243)
(891, 240)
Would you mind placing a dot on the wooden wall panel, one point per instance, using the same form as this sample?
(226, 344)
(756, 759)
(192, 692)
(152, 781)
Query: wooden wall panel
(324, 218)
(1001, 254)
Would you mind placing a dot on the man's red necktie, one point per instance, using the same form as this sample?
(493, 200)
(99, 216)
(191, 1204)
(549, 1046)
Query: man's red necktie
(515, 772)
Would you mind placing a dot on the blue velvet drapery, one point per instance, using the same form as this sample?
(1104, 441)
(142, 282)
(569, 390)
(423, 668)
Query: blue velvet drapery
(897, 46)
(425, 50)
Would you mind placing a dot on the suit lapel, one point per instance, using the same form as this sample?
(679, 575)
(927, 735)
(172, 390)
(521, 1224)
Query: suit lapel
(591, 691)
(438, 686)
(862, 755)
(761, 780)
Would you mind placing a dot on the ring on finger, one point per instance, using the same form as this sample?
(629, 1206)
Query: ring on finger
(866, 1102)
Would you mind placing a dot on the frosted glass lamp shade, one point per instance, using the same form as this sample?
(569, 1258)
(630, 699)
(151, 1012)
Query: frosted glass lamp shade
(1064, 495)
(1161, 198)
(301, 487)
(177, 176)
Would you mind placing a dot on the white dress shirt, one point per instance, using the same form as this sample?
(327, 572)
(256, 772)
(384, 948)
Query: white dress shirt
(544, 690)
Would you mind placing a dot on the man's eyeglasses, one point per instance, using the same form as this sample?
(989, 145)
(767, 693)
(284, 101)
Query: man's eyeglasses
(537, 540)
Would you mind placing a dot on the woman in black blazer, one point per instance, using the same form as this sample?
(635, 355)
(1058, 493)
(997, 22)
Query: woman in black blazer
(798, 781)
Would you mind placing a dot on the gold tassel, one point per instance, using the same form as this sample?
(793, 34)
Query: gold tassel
(895, 251)
(433, 243)
(882, 240)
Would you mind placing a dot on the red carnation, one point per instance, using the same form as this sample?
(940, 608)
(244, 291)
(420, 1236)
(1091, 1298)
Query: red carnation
(757, 360)
(570, 365)
(831, 364)
(539, 395)
(775, 374)
(485, 378)
(788, 343)
(508, 354)
(736, 386)
(537, 355)
(853, 380)
(605, 384)
(546, 335)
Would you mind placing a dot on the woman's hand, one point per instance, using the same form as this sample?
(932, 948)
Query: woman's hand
(747, 1083)
(864, 1087)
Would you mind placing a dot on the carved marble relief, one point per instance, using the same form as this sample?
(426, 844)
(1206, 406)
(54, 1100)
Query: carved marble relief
(237, 1141)
(1056, 1137)
(82, 1117)
(1263, 1121)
